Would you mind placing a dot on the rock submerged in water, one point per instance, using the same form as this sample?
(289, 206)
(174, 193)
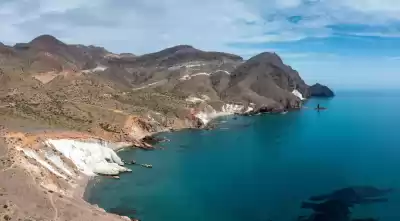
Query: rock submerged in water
(153, 140)
(335, 206)
(319, 90)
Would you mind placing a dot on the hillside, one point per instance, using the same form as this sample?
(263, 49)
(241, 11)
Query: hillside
(86, 87)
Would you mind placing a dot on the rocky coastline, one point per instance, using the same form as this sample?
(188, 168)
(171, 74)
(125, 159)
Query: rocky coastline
(66, 109)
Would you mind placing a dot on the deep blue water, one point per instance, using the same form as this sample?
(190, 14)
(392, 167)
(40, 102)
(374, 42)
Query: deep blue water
(261, 168)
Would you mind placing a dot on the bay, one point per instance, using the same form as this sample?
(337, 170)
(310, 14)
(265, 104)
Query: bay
(263, 167)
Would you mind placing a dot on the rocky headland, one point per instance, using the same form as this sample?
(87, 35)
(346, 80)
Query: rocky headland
(66, 109)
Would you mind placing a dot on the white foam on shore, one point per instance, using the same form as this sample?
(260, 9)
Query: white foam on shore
(90, 157)
(297, 93)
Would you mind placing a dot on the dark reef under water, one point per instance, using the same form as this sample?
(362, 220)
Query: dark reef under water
(270, 167)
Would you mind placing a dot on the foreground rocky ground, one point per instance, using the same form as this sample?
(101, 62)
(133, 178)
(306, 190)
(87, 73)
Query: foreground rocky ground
(52, 90)
(22, 197)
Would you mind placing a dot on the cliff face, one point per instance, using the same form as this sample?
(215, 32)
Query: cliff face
(267, 82)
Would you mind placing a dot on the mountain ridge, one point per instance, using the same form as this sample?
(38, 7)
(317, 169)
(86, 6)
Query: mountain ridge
(46, 71)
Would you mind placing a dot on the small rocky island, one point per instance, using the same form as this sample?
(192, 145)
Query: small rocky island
(319, 90)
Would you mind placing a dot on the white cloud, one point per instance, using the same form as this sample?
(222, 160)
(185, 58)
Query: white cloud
(385, 6)
(141, 26)
(288, 3)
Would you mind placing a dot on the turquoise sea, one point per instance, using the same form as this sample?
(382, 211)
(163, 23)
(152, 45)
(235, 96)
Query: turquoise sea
(261, 168)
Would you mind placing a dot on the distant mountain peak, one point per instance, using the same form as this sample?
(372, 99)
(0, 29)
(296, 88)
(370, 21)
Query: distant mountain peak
(45, 40)
(181, 49)
(268, 57)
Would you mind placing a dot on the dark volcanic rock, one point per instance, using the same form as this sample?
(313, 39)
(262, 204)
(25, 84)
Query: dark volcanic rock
(336, 206)
(319, 90)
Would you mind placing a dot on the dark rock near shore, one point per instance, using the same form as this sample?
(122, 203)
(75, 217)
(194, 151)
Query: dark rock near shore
(153, 140)
(319, 90)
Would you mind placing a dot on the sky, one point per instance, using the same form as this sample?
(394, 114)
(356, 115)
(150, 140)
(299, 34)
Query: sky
(341, 43)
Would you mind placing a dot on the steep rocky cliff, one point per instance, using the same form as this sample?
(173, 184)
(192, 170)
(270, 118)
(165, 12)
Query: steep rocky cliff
(267, 82)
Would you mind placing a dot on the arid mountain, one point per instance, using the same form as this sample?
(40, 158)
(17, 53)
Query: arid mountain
(267, 82)
(88, 88)
(46, 53)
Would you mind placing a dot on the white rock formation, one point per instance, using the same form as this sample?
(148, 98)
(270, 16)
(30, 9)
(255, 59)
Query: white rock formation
(96, 69)
(57, 161)
(249, 109)
(297, 93)
(194, 99)
(200, 74)
(188, 77)
(223, 71)
(90, 157)
(185, 77)
(149, 85)
(32, 154)
(232, 108)
(187, 65)
(205, 117)
(210, 113)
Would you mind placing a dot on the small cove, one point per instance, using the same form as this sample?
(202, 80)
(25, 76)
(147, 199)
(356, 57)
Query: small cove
(263, 167)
